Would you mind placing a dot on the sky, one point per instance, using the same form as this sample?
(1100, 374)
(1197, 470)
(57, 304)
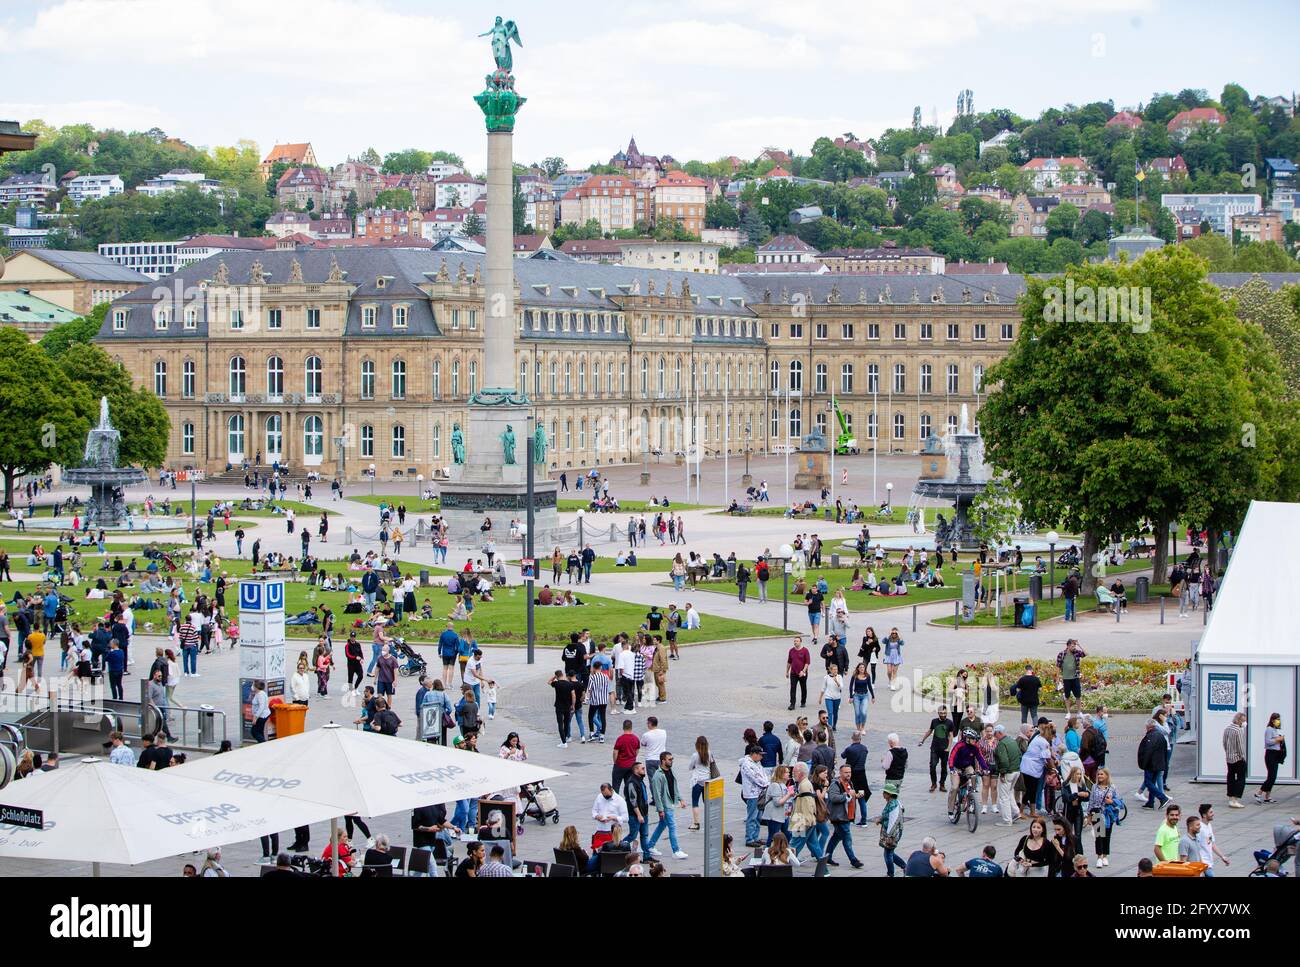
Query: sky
(697, 79)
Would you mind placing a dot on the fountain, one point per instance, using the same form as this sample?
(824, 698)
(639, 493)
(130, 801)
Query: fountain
(107, 504)
(964, 479)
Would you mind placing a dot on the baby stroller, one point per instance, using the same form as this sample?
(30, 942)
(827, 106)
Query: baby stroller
(413, 664)
(1286, 840)
(539, 803)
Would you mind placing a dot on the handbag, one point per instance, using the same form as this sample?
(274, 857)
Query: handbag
(714, 772)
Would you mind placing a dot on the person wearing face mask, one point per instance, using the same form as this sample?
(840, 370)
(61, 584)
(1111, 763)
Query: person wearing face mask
(609, 811)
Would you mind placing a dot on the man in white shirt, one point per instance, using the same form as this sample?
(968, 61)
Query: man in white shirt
(609, 809)
(1205, 839)
(653, 742)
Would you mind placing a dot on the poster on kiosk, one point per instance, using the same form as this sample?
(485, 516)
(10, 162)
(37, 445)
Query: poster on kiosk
(261, 646)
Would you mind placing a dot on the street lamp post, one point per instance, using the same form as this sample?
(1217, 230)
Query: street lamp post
(528, 541)
(1052, 538)
(372, 480)
(786, 552)
(875, 441)
(889, 499)
(419, 486)
(581, 543)
(192, 505)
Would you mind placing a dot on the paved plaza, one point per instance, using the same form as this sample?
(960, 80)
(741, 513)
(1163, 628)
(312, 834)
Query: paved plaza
(719, 690)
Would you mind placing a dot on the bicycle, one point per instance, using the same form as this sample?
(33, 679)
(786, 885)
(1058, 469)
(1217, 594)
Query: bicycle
(966, 800)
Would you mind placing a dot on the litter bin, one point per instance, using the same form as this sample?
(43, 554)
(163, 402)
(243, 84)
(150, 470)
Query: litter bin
(1036, 587)
(1142, 592)
(835, 560)
(207, 726)
(288, 718)
(731, 570)
(424, 577)
(827, 513)
(1020, 604)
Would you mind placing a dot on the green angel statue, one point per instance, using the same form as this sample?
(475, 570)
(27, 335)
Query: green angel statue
(502, 34)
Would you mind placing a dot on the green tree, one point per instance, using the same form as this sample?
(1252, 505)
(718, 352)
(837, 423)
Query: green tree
(137, 413)
(914, 194)
(518, 208)
(474, 224)
(720, 213)
(754, 227)
(1062, 222)
(1094, 226)
(82, 330)
(1275, 313)
(43, 414)
(398, 198)
(554, 166)
(412, 161)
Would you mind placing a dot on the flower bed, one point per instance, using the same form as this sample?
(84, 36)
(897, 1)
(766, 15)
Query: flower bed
(1121, 684)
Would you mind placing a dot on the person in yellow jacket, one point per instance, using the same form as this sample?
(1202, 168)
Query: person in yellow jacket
(659, 669)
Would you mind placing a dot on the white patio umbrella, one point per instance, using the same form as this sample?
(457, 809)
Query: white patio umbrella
(364, 772)
(96, 812)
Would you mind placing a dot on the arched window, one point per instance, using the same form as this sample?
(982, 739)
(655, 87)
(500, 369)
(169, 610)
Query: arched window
(622, 376)
(900, 426)
(568, 377)
(555, 377)
(235, 438)
(367, 379)
(568, 434)
(455, 379)
(645, 376)
(819, 378)
(312, 377)
(661, 384)
(900, 378)
(188, 377)
(796, 376)
(925, 427)
(160, 379)
(399, 379)
(953, 381)
(582, 435)
(582, 378)
(677, 375)
(367, 440)
(274, 379)
(238, 380)
(437, 441)
(595, 376)
(927, 378)
(775, 384)
(274, 437)
(313, 437)
(473, 376)
(978, 385)
(187, 438)
(846, 378)
(523, 374)
(796, 423)
(399, 441)
(437, 379)
(873, 378)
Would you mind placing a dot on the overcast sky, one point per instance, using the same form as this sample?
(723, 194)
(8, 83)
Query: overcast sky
(695, 79)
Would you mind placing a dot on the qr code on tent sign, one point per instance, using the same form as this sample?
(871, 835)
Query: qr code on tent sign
(1222, 693)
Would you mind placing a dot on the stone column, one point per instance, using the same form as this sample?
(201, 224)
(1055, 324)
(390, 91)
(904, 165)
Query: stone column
(499, 291)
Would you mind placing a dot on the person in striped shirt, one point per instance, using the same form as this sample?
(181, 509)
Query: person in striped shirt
(598, 689)
(188, 636)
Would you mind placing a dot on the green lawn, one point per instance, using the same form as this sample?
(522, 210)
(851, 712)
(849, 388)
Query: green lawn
(897, 515)
(1048, 608)
(497, 622)
(566, 505)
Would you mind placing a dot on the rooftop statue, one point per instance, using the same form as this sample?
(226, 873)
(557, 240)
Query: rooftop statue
(502, 34)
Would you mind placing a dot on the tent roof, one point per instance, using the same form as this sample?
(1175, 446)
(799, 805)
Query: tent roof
(1254, 619)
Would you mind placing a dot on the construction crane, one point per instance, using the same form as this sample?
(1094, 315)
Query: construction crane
(845, 442)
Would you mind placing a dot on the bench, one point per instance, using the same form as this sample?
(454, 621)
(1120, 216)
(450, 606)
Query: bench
(741, 510)
(1105, 600)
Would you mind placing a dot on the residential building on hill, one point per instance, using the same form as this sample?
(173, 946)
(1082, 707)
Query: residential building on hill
(616, 202)
(681, 198)
(179, 178)
(1185, 122)
(1047, 173)
(31, 314)
(677, 256)
(97, 187)
(27, 189)
(1260, 226)
(291, 154)
(784, 250)
(1029, 215)
(1217, 209)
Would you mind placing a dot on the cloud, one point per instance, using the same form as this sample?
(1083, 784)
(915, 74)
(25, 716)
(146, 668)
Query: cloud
(125, 115)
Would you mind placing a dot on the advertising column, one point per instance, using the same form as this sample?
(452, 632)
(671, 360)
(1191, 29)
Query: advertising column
(261, 645)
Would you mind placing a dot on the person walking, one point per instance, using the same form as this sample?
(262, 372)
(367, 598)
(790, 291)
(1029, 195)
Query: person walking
(890, 822)
(260, 711)
(742, 580)
(753, 792)
(844, 802)
(1104, 804)
(666, 799)
(637, 798)
(797, 661)
(861, 691)
(762, 573)
(1026, 691)
(566, 688)
(702, 768)
(1234, 753)
(832, 694)
(1151, 760)
(1274, 756)
(940, 733)
(893, 646)
(1006, 766)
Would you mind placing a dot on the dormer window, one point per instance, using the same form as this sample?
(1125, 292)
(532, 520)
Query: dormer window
(369, 314)
(399, 317)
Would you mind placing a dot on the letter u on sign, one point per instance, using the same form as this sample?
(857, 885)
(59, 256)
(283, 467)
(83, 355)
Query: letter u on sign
(250, 596)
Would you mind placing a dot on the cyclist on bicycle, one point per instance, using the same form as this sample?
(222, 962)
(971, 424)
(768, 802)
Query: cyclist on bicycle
(965, 761)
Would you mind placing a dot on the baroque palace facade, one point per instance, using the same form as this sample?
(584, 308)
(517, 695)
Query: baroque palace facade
(340, 360)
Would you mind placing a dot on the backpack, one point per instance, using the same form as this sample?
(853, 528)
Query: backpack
(762, 572)
(892, 841)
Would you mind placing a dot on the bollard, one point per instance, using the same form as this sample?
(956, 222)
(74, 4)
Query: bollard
(913, 617)
(1162, 609)
(1118, 609)
(956, 615)
(1205, 616)
(347, 536)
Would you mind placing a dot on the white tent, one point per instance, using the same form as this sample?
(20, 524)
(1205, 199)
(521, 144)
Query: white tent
(364, 772)
(96, 812)
(1248, 659)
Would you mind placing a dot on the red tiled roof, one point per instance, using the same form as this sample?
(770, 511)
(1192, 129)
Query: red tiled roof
(592, 246)
(1126, 118)
(296, 153)
(1197, 115)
